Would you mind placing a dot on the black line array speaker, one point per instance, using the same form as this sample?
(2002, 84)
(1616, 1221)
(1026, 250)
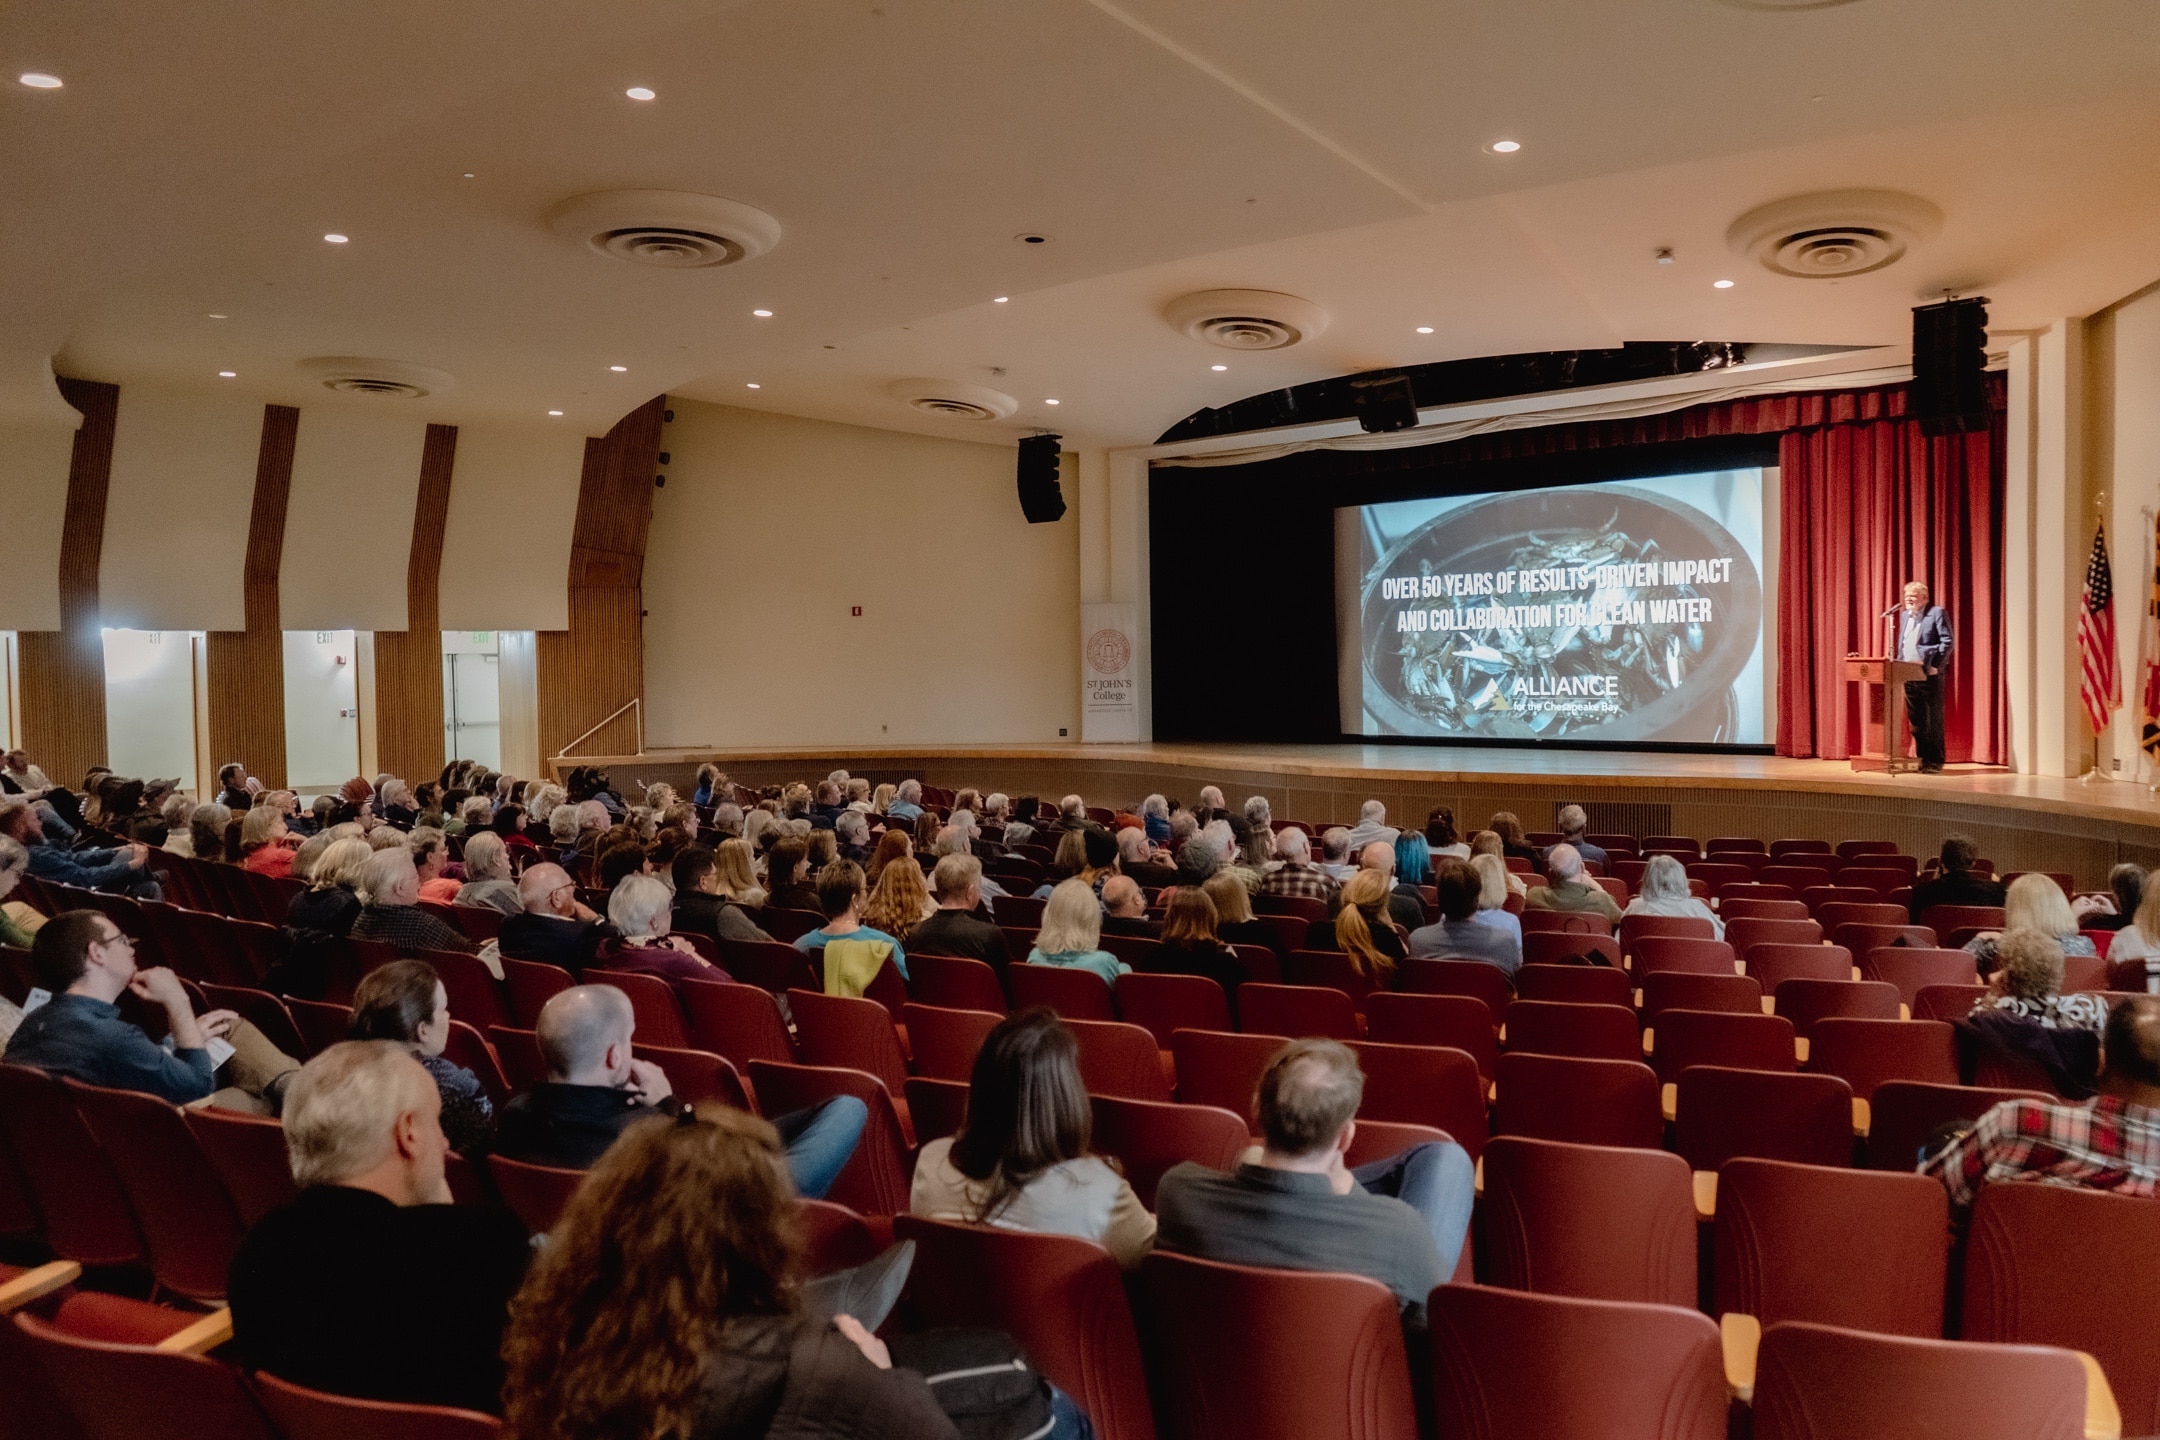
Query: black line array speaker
(1949, 362)
(1040, 498)
(1384, 402)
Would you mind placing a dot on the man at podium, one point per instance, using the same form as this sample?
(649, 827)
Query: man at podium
(1924, 640)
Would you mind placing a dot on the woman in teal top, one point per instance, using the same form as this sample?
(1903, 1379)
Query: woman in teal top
(1071, 933)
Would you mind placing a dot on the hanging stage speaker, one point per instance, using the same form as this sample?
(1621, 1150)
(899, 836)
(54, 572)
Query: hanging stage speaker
(1040, 498)
(1383, 402)
(1949, 364)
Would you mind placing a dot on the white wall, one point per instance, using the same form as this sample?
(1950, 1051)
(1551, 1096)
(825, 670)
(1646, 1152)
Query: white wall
(176, 513)
(150, 704)
(33, 484)
(771, 529)
(2130, 433)
(322, 746)
(506, 543)
(348, 526)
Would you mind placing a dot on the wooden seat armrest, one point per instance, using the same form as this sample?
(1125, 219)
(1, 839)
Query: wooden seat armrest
(201, 1337)
(1742, 1337)
(1705, 1194)
(2103, 1418)
(36, 1284)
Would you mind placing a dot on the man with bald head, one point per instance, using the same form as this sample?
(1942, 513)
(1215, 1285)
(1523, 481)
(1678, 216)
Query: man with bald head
(1125, 908)
(597, 1087)
(2112, 1144)
(555, 929)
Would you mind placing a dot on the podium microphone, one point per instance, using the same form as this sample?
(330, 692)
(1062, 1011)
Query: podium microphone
(1889, 612)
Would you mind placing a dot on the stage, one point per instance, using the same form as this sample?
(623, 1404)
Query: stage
(2022, 822)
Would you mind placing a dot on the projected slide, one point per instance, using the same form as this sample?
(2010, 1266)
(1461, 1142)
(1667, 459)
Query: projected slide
(1623, 612)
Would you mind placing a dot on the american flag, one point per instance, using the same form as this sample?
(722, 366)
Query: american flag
(2152, 654)
(2102, 687)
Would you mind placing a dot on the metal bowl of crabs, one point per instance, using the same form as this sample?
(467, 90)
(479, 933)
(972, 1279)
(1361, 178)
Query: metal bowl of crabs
(1614, 667)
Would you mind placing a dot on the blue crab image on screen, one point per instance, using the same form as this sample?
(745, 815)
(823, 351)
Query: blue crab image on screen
(1619, 612)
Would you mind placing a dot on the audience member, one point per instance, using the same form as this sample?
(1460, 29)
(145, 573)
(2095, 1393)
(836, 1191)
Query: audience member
(405, 1002)
(86, 963)
(1404, 906)
(1211, 803)
(700, 907)
(1492, 911)
(1413, 859)
(1191, 944)
(841, 896)
(641, 910)
(1573, 821)
(1235, 923)
(1136, 858)
(1335, 860)
(430, 850)
(266, 845)
(735, 872)
(1295, 875)
(894, 844)
(19, 924)
(908, 804)
(2127, 882)
(1569, 889)
(1665, 892)
(826, 807)
(899, 900)
(1124, 907)
(853, 832)
(2033, 902)
(1155, 820)
(1071, 934)
(487, 883)
(709, 780)
(390, 907)
(1363, 929)
(332, 902)
(555, 928)
(120, 870)
(1957, 884)
(954, 928)
(1402, 1221)
(2113, 1143)
(1021, 1160)
(1485, 842)
(1514, 843)
(1372, 828)
(236, 789)
(179, 811)
(785, 869)
(2028, 978)
(1441, 838)
(1457, 935)
(597, 1088)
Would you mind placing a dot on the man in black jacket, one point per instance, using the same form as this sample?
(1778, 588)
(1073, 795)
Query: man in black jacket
(700, 908)
(371, 1283)
(1957, 884)
(956, 929)
(555, 928)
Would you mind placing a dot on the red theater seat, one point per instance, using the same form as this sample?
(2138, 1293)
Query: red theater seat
(742, 1022)
(1590, 1032)
(1904, 1114)
(1424, 1085)
(936, 1108)
(1456, 1021)
(1557, 948)
(1221, 1069)
(951, 982)
(944, 1041)
(876, 1178)
(1770, 964)
(1809, 1002)
(1592, 1221)
(1864, 1053)
(1819, 1382)
(1722, 1114)
(536, 1194)
(1149, 1138)
(1664, 990)
(1586, 1102)
(301, 1414)
(86, 1215)
(129, 1392)
(1297, 1011)
(1573, 984)
(1121, 1060)
(849, 1032)
(1074, 994)
(1910, 968)
(248, 1153)
(1863, 1248)
(1163, 1004)
(1458, 977)
(1690, 954)
(189, 1226)
(1708, 1037)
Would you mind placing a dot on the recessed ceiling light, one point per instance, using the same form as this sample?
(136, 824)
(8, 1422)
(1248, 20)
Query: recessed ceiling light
(1050, 402)
(619, 369)
(762, 314)
(215, 316)
(1721, 284)
(228, 374)
(1001, 300)
(1424, 329)
(37, 80)
(336, 239)
(555, 412)
(469, 175)
(639, 92)
(753, 385)
(1218, 367)
(1506, 147)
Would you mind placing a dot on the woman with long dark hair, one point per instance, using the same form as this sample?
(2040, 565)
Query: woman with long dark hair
(1021, 1159)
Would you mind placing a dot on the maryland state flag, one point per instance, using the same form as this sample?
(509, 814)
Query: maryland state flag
(2151, 654)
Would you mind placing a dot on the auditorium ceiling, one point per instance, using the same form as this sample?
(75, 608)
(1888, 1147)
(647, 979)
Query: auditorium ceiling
(195, 156)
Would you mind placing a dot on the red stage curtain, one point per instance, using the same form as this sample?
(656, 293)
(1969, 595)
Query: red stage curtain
(1868, 505)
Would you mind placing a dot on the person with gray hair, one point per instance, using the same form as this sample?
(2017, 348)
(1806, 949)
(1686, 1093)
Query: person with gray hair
(555, 927)
(853, 831)
(475, 813)
(1197, 859)
(996, 807)
(954, 928)
(1569, 889)
(1372, 825)
(487, 876)
(1665, 891)
(1137, 859)
(370, 1283)
(642, 910)
(1211, 802)
(1260, 815)
(1301, 1206)
(596, 1088)
(390, 910)
(727, 821)
(1072, 814)
(1296, 876)
(1573, 821)
(907, 805)
(1155, 819)
(14, 864)
(2028, 983)
(178, 810)
(1335, 853)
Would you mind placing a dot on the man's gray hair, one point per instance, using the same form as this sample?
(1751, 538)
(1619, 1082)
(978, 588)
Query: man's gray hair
(342, 1108)
(638, 904)
(562, 823)
(388, 878)
(592, 815)
(1132, 844)
(178, 808)
(14, 859)
(1374, 811)
(911, 791)
(997, 802)
(479, 810)
(1335, 844)
(1072, 805)
(1564, 862)
(577, 1025)
(1379, 855)
(965, 820)
(1664, 878)
(1018, 833)
(1291, 844)
(952, 840)
(1155, 807)
(727, 818)
(1183, 826)
(852, 824)
(1572, 820)
(1200, 855)
(953, 875)
(538, 883)
(1259, 814)
(486, 857)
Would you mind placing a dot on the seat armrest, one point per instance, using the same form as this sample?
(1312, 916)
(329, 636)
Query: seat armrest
(1705, 1194)
(2103, 1418)
(36, 1284)
(203, 1336)
(1742, 1337)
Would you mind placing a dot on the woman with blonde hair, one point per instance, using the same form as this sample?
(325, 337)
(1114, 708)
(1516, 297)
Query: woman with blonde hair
(266, 846)
(1492, 911)
(1235, 923)
(1485, 842)
(1071, 933)
(735, 869)
(1363, 930)
(2034, 902)
(900, 900)
(881, 798)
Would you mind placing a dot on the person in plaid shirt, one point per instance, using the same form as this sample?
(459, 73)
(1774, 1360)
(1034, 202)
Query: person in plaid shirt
(1297, 875)
(2111, 1144)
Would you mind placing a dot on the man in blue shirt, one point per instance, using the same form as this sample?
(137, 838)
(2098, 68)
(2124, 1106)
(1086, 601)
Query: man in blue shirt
(908, 805)
(124, 869)
(86, 963)
(1924, 640)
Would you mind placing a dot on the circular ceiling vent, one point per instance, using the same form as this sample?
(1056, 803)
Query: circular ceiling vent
(672, 229)
(1834, 233)
(1246, 319)
(953, 400)
(352, 375)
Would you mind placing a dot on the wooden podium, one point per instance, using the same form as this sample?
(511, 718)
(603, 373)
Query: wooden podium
(1882, 711)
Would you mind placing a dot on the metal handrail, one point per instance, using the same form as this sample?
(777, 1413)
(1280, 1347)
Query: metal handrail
(632, 704)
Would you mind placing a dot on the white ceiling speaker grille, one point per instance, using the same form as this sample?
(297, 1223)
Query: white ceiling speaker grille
(354, 375)
(1834, 233)
(1246, 319)
(953, 399)
(669, 229)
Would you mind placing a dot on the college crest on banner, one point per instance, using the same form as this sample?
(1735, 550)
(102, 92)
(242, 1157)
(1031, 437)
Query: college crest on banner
(1109, 696)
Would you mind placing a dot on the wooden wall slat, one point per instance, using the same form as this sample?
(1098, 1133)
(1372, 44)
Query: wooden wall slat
(246, 668)
(599, 662)
(409, 663)
(63, 671)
